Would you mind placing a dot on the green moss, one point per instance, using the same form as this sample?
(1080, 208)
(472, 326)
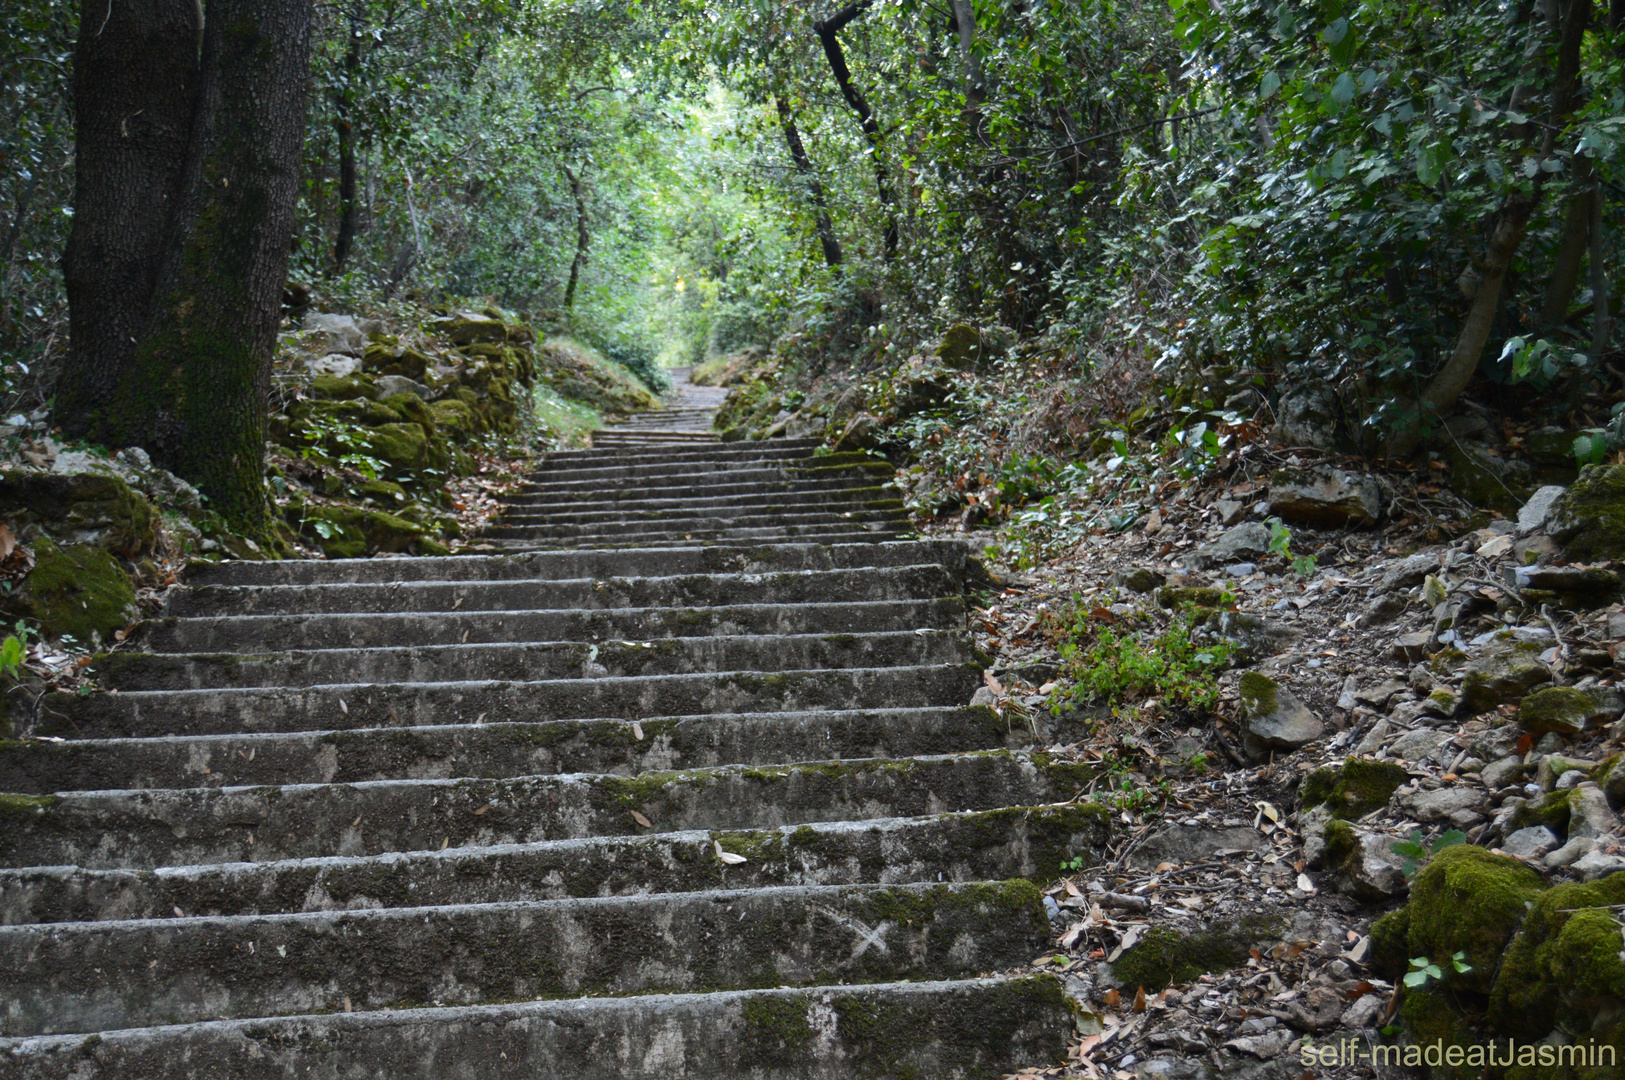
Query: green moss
(1430, 1017)
(1165, 956)
(1067, 777)
(72, 508)
(1564, 965)
(1390, 940)
(776, 1029)
(1257, 694)
(79, 590)
(1551, 810)
(343, 387)
(1562, 709)
(1354, 789)
(1589, 518)
(1341, 842)
(17, 808)
(1176, 598)
(1470, 901)
(1316, 787)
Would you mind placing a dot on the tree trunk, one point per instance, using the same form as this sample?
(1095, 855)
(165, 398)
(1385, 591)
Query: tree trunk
(1571, 250)
(815, 187)
(1565, 27)
(343, 99)
(827, 29)
(1601, 319)
(192, 387)
(973, 84)
(583, 238)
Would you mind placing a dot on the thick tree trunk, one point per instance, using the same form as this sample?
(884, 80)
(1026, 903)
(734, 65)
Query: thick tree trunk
(972, 83)
(1571, 250)
(343, 99)
(583, 238)
(827, 31)
(815, 187)
(1602, 324)
(135, 84)
(192, 387)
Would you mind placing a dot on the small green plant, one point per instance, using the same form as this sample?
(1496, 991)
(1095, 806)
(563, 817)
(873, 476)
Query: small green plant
(1072, 865)
(1117, 668)
(1424, 970)
(1197, 763)
(1281, 544)
(14, 650)
(1416, 852)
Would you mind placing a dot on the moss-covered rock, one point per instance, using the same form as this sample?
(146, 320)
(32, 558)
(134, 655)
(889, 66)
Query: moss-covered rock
(1589, 518)
(1564, 967)
(1165, 956)
(962, 347)
(352, 532)
(359, 412)
(1354, 789)
(1551, 810)
(1178, 597)
(465, 328)
(1470, 901)
(402, 446)
(1565, 710)
(1487, 480)
(581, 374)
(343, 387)
(78, 508)
(78, 590)
(1505, 672)
(455, 418)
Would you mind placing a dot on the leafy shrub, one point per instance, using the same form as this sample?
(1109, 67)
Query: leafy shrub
(1105, 667)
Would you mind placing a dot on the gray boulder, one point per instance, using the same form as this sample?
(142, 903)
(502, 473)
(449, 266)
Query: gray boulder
(335, 334)
(1533, 514)
(1274, 718)
(1307, 416)
(1247, 541)
(1324, 497)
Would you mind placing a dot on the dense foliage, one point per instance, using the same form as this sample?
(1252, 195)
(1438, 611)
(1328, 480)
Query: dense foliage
(1278, 187)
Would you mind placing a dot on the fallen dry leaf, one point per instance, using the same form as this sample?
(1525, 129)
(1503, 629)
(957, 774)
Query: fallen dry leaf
(647, 824)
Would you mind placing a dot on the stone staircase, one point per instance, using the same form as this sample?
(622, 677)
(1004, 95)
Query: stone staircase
(684, 418)
(683, 785)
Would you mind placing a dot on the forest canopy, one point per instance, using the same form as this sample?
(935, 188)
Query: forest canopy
(1396, 197)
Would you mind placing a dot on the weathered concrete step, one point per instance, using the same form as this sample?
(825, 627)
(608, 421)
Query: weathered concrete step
(688, 538)
(147, 713)
(856, 498)
(724, 452)
(723, 485)
(667, 467)
(444, 751)
(77, 977)
(1011, 842)
(192, 826)
(971, 1029)
(266, 633)
(586, 563)
(640, 434)
(720, 482)
(527, 661)
(622, 525)
(921, 581)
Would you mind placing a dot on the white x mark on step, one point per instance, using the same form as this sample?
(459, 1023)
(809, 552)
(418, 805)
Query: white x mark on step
(866, 936)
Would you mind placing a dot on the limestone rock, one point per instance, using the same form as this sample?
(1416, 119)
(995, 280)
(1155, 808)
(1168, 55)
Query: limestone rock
(335, 334)
(79, 590)
(1533, 514)
(1307, 416)
(1486, 479)
(1441, 804)
(1274, 718)
(1531, 843)
(1138, 579)
(97, 508)
(963, 347)
(1589, 518)
(1324, 497)
(1372, 871)
(1568, 711)
(1419, 745)
(1184, 844)
(1506, 671)
(1248, 541)
(1571, 586)
(390, 385)
(1254, 637)
(1408, 572)
(1589, 814)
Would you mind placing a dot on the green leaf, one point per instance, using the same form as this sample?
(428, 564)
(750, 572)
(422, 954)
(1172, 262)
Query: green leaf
(1415, 978)
(1271, 83)
(1343, 89)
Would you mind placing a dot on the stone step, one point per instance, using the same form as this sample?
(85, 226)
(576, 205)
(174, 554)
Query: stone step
(970, 1029)
(587, 563)
(669, 466)
(267, 633)
(344, 706)
(623, 524)
(1010, 842)
(720, 482)
(873, 534)
(96, 976)
(527, 661)
(549, 512)
(920, 581)
(721, 486)
(192, 826)
(775, 448)
(497, 750)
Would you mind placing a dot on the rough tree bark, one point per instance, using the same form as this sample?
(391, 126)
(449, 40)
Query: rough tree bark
(583, 238)
(815, 187)
(973, 84)
(181, 234)
(1565, 27)
(343, 100)
(827, 31)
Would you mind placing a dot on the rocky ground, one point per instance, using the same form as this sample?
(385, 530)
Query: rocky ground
(1399, 691)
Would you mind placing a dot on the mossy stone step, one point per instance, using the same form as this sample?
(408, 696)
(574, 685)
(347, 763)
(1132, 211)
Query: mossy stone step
(1018, 841)
(971, 1029)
